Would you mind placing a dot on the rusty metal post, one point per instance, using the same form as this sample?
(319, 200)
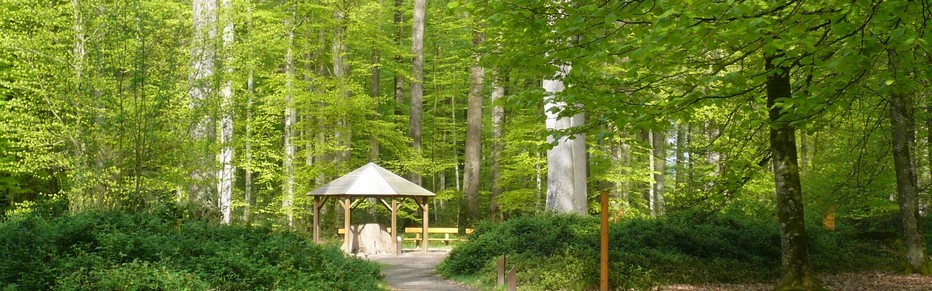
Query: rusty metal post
(603, 284)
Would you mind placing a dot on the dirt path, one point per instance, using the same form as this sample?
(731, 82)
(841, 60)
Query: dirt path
(415, 271)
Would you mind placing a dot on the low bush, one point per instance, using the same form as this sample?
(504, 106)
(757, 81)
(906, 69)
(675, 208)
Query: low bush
(165, 249)
(561, 252)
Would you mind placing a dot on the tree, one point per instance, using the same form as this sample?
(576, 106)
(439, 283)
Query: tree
(417, 86)
(566, 161)
(225, 184)
(498, 122)
(472, 157)
(290, 119)
(797, 273)
(203, 54)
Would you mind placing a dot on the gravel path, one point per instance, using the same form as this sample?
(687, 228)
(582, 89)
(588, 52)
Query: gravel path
(414, 271)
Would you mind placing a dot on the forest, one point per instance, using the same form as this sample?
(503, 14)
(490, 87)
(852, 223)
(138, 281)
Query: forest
(167, 144)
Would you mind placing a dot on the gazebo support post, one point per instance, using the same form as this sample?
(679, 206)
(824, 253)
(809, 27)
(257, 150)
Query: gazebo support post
(318, 203)
(395, 241)
(422, 203)
(347, 202)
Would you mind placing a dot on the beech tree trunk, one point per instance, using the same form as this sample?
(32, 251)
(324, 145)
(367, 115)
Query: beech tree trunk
(472, 156)
(374, 93)
(659, 142)
(203, 53)
(566, 162)
(498, 122)
(681, 148)
(797, 273)
(343, 135)
(225, 184)
(290, 119)
(399, 80)
(250, 94)
(903, 137)
(417, 86)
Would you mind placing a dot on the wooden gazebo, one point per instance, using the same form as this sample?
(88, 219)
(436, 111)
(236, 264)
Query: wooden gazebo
(370, 181)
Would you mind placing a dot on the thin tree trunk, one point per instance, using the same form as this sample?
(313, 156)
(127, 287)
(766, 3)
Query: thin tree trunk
(659, 140)
(902, 125)
(398, 79)
(498, 122)
(472, 156)
(290, 118)
(225, 184)
(417, 87)
(247, 192)
(681, 149)
(797, 273)
(651, 189)
(374, 93)
(343, 133)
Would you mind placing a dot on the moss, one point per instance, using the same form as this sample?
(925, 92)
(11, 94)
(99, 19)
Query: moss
(793, 281)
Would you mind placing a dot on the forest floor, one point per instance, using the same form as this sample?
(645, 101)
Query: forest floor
(414, 270)
(847, 281)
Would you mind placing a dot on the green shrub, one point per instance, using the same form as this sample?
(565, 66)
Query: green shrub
(561, 252)
(165, 248)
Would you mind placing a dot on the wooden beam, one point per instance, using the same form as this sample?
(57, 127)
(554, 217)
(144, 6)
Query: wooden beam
(384, 203)
(395, 242)
(603, 282)
(426, 215)
(347, 202)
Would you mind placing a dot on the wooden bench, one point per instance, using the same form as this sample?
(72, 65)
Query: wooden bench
(446, 231)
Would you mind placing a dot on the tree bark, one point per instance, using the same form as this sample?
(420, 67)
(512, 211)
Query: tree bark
(498, 123)
(417, 86)
(203, 53)
(225, 183)
(566, 161)
(797, 273)
(398, 79)
(681, 144)
(659, 142)
(250, 94)
(472, 156)
(903, 137)
(290, 119)
(374, 93)
(343, 135)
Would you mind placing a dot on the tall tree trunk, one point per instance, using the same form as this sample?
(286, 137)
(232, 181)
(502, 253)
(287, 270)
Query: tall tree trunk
(417, 86)
(659, 142)
(566, 162)
(247, 192)
(250, 94)
(498, 123)
(797, 273)
(291, 116)
(681, 144)
(343, 133)
(374, 93)
(203, 53)
(225, 183)
(472, 156)
(398, 79)
(902, 125)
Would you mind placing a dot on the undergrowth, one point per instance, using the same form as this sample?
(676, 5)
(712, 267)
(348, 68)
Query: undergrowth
(562, 252)
(165, 249)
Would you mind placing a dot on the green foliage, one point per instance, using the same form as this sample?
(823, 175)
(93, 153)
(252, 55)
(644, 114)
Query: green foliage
(561, 252)
(165, 249)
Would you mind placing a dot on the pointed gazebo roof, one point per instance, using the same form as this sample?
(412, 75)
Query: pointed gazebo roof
(373, 181)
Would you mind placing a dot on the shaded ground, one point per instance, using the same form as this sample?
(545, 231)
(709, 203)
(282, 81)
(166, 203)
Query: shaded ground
(849, 281)
(415, 271)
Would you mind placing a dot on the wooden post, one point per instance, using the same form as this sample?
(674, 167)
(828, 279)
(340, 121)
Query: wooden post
(347, 211)
(425, 214)
(317, 204)
(512, 280)
(501, 270)
(603, 285)
(395, 243)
